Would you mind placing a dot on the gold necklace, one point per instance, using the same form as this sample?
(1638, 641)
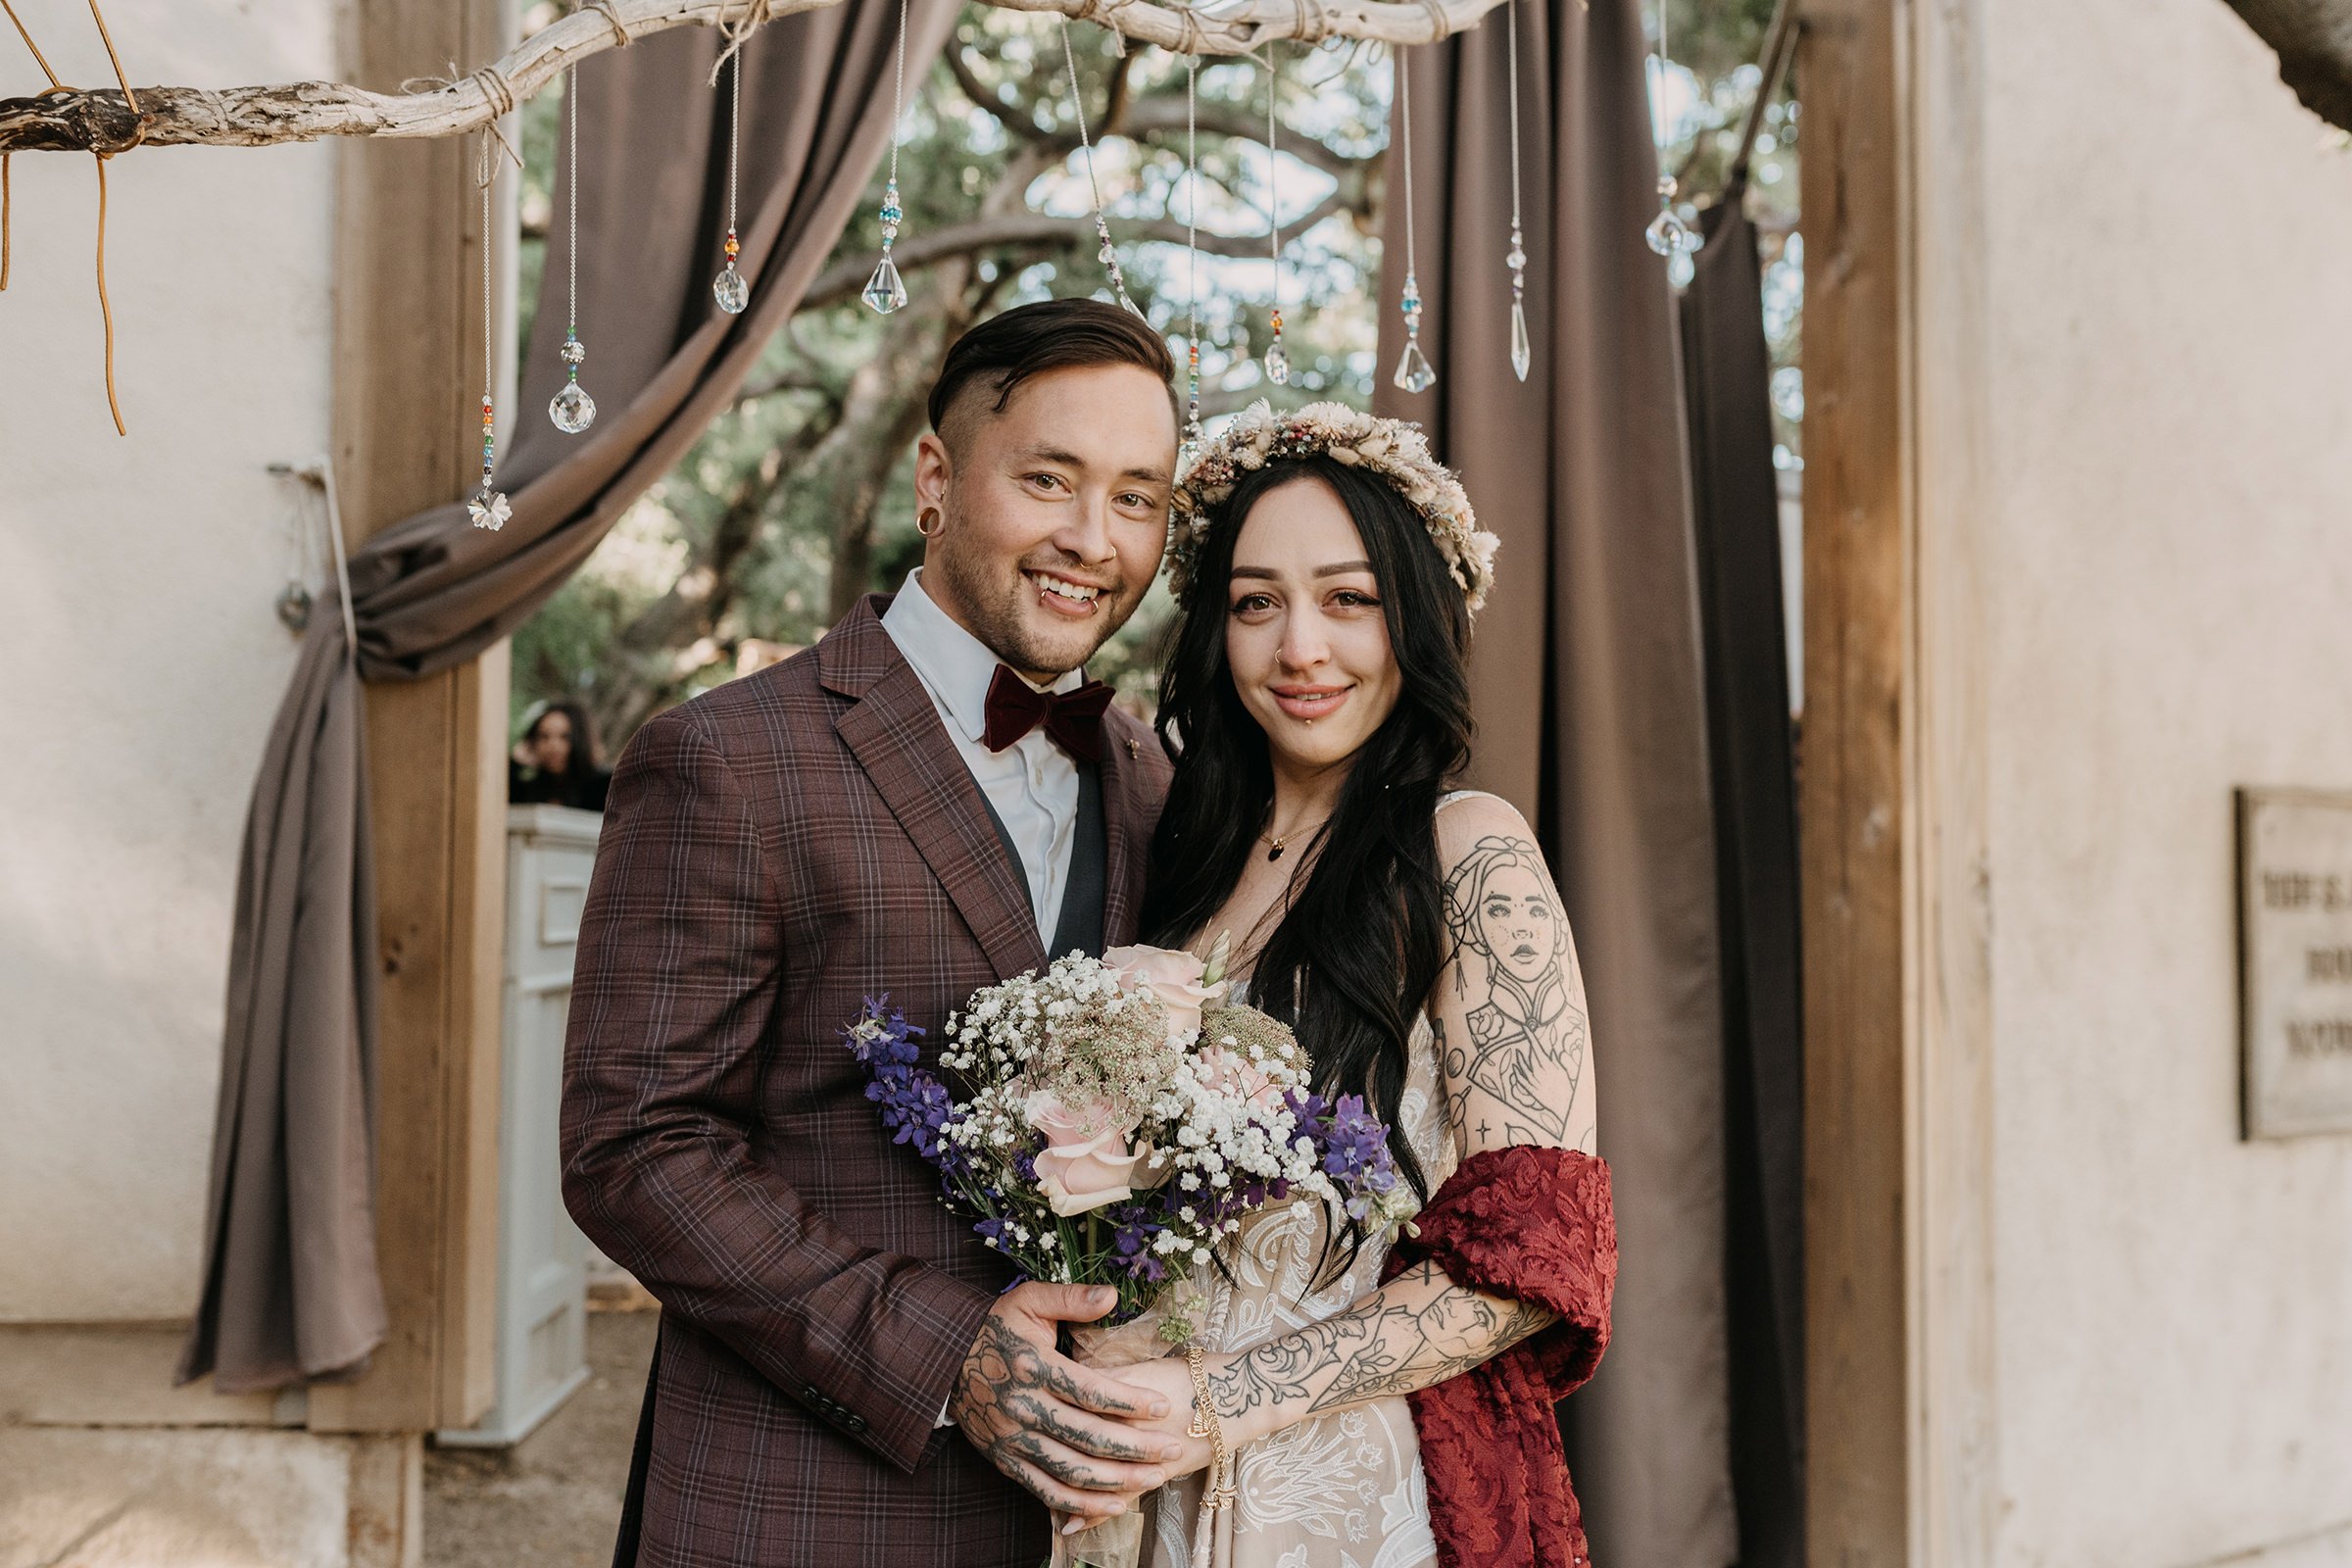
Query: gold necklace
(1284, 841)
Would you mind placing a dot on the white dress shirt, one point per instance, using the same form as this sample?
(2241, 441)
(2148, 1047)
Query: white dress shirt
(1031, 783)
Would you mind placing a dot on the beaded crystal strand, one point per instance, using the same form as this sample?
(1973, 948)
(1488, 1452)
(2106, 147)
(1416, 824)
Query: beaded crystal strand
(1190, 447)
(487, 507)
(1105, 251)
(1278, 361)
(730, 288)
(1521, 351)
(1413, 370)
(571, 409)
(1667, 233)
(886, 291)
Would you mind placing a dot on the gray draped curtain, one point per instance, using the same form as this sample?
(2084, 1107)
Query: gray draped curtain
(290, 1286)
(1727, 386)
(1587, 685)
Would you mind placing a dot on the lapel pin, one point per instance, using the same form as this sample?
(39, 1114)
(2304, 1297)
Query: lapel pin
(1133, 751)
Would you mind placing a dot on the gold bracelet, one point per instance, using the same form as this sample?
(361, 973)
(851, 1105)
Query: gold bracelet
(1220, 1489)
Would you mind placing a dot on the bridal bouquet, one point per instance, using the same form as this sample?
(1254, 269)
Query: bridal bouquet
(1115, 1118)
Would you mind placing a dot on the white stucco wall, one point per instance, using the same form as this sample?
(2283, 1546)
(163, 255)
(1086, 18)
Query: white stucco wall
(142, 659)
(2166, 556)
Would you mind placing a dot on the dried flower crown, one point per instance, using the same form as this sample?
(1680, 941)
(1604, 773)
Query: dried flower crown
(1394, 449)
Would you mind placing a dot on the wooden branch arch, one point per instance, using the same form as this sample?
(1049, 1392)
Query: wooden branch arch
(101, 121)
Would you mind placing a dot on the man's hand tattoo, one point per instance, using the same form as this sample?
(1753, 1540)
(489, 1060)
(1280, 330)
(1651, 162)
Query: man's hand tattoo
(1041, 1422)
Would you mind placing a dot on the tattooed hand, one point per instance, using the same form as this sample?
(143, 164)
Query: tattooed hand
(1039, 1416)
(1509, 1013)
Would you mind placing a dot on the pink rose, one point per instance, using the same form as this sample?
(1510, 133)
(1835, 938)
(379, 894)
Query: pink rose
(1228, 1072)
(1172, 976)
(1086, 1162)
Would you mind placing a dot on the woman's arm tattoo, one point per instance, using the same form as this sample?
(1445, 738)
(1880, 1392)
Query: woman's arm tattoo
(1377, 1348)
(1524, 1031)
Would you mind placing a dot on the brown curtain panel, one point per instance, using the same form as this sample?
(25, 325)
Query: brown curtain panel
(1736, 506)
(290, 1285)
(1588, 684)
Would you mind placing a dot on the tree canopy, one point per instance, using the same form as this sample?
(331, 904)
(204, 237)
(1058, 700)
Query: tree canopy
(798, 498)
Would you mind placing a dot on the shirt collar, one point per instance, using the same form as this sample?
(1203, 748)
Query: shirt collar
(955, 665)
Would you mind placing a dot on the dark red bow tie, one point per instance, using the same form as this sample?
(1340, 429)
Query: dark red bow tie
(1073, 719)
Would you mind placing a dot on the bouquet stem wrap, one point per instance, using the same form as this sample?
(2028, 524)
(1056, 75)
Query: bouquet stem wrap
(1114, 1543)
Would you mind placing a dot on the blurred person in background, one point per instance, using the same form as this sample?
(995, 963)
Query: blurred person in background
(557, 762)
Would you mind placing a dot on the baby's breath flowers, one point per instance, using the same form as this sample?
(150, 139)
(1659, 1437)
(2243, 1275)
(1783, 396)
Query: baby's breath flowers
(1116, 1121)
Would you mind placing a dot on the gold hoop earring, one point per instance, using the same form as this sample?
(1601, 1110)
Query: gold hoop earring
(928, 521)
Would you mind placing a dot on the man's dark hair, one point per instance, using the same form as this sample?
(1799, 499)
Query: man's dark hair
(1003, 351)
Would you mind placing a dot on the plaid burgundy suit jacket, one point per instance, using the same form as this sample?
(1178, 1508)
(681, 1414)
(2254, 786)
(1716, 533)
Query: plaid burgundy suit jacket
(775, 852)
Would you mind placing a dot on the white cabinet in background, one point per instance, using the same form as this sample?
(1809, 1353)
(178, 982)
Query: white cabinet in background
(542, 1346)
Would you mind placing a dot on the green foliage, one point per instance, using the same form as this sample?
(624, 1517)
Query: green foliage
(642, 625)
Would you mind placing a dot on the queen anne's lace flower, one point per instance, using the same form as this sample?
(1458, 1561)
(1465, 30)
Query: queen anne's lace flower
(1394, 449)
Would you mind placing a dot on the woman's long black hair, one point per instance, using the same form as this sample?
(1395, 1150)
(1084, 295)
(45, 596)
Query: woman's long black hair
(1357, 957)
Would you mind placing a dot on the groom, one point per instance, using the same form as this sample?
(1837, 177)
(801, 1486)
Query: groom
(929, 801)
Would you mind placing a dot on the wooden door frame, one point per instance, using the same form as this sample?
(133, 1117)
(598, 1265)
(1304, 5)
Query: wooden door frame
(408, 346)
(1900, 1420)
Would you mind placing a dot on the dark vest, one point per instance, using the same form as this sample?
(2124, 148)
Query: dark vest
(1080, 927)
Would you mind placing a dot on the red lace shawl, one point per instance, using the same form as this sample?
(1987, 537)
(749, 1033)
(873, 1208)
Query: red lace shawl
(1535, 1225)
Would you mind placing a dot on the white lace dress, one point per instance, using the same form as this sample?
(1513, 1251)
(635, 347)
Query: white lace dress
(1343, 1489)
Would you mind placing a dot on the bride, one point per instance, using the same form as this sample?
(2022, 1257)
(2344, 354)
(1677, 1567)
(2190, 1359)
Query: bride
(1345, 1403)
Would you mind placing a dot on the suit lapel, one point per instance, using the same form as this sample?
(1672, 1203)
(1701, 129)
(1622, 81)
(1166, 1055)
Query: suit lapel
(1123, 849)
(894, 731)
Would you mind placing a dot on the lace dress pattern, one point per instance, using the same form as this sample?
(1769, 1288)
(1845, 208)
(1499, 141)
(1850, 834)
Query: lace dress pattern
(1343, 1489)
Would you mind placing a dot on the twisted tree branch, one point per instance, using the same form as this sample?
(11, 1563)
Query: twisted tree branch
(101, 121)
(1044, 230)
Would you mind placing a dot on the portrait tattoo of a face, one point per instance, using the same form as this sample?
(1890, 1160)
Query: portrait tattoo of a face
(1520, 1009)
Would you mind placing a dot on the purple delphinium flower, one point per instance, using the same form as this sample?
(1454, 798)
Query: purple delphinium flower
(915, 1106)
(1133, 1229)
(1353, 1145)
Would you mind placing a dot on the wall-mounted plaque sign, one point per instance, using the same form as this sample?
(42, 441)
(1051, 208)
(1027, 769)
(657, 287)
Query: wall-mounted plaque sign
(2294, 867)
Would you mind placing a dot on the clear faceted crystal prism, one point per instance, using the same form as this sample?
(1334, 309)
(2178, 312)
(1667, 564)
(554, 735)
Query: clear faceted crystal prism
(488, 509)
(1523, 352)
(1414, 372)
(1669, 235)
(732, 290)
(1278, 363)
(571, 409)
(885, 291)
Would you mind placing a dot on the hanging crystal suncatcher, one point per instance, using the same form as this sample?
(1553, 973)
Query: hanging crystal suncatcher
(886, 291)
(1108, 253)
(1190, 447)
(1414, 373)
(1667, 233)
(731, 288)
(1522, 352)
(571, 408)
(486, 506)
(1278, 362)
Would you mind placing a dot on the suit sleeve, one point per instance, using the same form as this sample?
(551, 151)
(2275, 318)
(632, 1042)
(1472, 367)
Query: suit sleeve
(680, 955)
